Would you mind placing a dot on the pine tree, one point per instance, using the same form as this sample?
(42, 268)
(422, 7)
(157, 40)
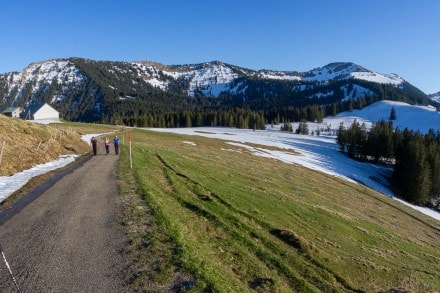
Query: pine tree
(356, 140)
(412, 173)
(380, 141)
(287, 127)
(303, 128)
(433, 157)
(341, 138)
(334, 109)
(350, 105)
(188, 122)
(393, 114)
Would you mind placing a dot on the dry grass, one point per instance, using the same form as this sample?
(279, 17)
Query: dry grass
(26, 144)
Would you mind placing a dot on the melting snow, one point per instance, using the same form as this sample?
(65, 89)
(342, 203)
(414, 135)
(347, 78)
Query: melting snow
(10, 184)
(318, 153)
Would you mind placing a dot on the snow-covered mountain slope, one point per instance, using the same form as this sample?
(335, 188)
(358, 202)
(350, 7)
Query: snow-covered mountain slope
(347, 70)
(81, 88)
(40, 76)
(417, 118)
(208, 79)
(435, 97)
(212, 78)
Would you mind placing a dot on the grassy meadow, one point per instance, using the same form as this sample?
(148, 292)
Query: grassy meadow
(209, 216)
(205, 216)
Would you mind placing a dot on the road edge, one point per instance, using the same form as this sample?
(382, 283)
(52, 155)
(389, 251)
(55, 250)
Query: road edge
(32, 195)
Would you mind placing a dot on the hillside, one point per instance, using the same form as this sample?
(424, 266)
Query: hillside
(138, 93)
(27, 144)
(233, 219)
(417, 118)
(321, 152)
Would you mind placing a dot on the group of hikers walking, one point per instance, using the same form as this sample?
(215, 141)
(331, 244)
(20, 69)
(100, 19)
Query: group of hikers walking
(94, 143)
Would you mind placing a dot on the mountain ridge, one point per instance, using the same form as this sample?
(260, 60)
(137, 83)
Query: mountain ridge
(314, 74)
(84, 89)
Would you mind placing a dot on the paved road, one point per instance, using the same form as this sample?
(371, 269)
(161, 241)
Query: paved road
(68, 239)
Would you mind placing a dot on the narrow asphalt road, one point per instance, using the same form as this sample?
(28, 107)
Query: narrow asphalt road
(68, 239)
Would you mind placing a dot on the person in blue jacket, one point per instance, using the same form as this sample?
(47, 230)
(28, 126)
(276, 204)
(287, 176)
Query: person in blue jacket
(116, 143)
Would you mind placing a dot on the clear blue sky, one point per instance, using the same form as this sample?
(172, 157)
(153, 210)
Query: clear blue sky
(387, 36)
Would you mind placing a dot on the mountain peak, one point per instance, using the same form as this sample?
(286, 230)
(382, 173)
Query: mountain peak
(350, 70)
(341, 66)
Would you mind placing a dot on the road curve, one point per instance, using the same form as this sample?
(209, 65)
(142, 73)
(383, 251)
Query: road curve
(68, 239)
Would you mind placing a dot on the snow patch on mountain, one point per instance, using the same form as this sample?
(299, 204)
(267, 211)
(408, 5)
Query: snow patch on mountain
(208, 78)
(356, 91)
(211, 80)
(332, 71)
(41, 75)
(61, 71)
(435, 97)
(393, 79)
(150, 74)
(281, 75)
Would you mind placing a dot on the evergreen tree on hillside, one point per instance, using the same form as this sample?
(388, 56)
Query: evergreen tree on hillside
(434, 193)
(303, 128)
(411, 173)
(380, 141)
(188, 122)
(356, 140)
(350, 105)
(432, 145)
(287, 127)
(334, 109)
(341, 137)
(393, 114)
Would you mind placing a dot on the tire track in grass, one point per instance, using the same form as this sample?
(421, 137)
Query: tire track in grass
(271, 254)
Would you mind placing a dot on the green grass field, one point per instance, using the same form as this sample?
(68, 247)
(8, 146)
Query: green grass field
(200, 218)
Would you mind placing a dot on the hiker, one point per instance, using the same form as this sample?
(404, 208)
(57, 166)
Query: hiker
(94, 143)
(107, 145)
(116, 143)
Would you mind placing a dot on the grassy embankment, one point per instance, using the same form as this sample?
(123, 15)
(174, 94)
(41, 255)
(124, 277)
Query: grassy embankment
(229, 221)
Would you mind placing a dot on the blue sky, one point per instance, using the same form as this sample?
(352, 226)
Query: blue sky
(387, 36)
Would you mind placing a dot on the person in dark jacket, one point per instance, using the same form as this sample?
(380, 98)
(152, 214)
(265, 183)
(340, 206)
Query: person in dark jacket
(94, 143)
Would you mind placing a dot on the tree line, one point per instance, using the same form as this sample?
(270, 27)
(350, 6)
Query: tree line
(415, 157)
(236, 117)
